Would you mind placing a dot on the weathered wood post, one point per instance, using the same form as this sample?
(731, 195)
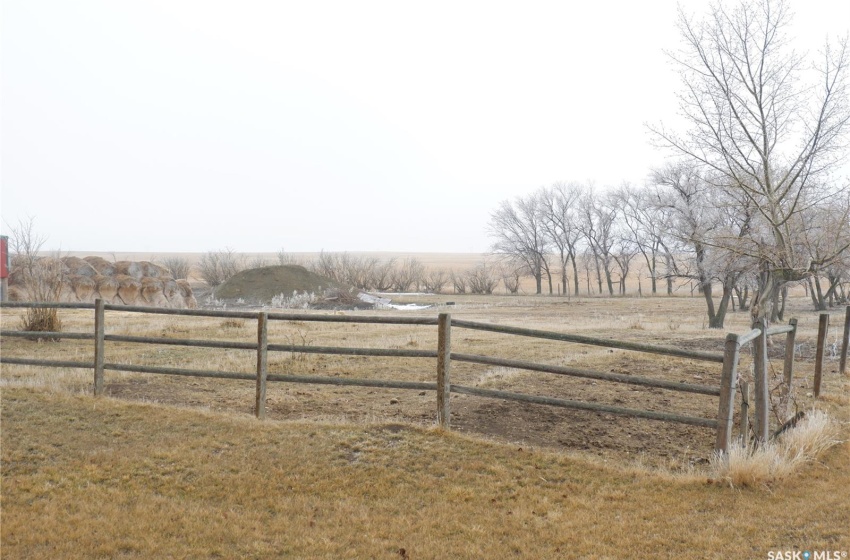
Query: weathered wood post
(788, 369)
(444, 350)
(823, 327)
(845, 342)
(762, 389)
(262, 363)
(745, 413)
(728, 381)
(99, 334)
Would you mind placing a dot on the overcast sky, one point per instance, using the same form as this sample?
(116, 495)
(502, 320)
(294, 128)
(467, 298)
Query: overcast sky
(360, 126)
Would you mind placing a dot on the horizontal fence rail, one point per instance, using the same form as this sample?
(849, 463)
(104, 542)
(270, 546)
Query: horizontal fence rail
(589, 374)
(505, 395)
(345, 381)
(45, 305)
(46, 363)
(179, 371)
(580, 339)
(48, 334)
(224, 344)
(726, 391)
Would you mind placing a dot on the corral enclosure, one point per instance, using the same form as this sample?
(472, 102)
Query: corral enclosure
(675, 321)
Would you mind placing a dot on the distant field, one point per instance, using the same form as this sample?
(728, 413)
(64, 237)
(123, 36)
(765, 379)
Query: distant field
(449, 261)
(436, 260)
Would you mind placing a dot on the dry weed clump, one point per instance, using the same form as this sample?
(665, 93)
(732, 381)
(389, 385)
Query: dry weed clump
(41, 319)
(776, 460)
(42, 278)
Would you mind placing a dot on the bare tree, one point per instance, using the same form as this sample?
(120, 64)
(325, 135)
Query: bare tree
(826, 229)
(598, 216)
(511, 274)
(705, 224)
(482, 279)
(407, 274)
(625, 250)
(458, 281)
(561, 222)
(435, 280)
(645, 224)
(760, 127)
(381, 275)
(520, 236)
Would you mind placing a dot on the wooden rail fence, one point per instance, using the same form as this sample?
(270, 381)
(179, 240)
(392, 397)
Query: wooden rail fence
(722, 424)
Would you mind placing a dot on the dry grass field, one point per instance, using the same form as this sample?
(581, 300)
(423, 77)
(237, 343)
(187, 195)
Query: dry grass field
(178, 467)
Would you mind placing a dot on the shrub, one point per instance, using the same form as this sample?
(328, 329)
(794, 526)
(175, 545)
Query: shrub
(41, 277)
(179, 267)
(481, 280)
(458, 282)
(435, 281)
(296, 301)
(285, 259)
(217, 267)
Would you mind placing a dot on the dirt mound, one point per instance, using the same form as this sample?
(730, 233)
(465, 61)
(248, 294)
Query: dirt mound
(262, 284)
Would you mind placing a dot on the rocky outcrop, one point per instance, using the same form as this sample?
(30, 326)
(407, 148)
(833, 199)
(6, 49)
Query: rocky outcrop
(120, 283)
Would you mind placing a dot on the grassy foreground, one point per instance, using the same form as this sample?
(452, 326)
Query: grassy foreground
(104, 478)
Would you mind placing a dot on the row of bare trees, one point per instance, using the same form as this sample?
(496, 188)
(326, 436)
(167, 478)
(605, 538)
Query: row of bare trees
(678, 227)
(754, 200)
(403, 275)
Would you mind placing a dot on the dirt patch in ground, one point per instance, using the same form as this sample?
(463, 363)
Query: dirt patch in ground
(260, 285)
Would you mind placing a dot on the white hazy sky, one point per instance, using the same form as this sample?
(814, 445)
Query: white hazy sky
(361, 126)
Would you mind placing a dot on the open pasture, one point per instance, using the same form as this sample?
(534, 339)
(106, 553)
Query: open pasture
(178, 466)
(669, 321)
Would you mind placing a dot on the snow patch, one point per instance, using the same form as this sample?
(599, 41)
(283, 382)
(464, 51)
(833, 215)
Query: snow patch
(386, 303)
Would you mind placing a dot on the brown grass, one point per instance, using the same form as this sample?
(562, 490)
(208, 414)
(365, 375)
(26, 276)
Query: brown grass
(104, 478)
(185, 471)
(775, 461)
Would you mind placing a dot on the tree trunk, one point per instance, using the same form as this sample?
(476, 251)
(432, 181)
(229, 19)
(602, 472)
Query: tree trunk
(564, 278)
(608, 281)
(575, 275)
(763, 299)
(598, 275)
(653, 271)
(743, 295)
(810, 291)
(817, 295)
(668, 263)
(723, 306)
(709, 304)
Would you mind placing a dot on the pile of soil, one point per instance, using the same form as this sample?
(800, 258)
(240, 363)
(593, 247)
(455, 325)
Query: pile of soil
(262, 284)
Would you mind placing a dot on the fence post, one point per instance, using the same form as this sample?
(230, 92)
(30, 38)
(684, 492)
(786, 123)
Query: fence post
(99, 333)
(762, 390)
(262, 363)
(745, 413)
(726, 410)
(842, 367)
(788, 369)
(444, 350)
(823, 327)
